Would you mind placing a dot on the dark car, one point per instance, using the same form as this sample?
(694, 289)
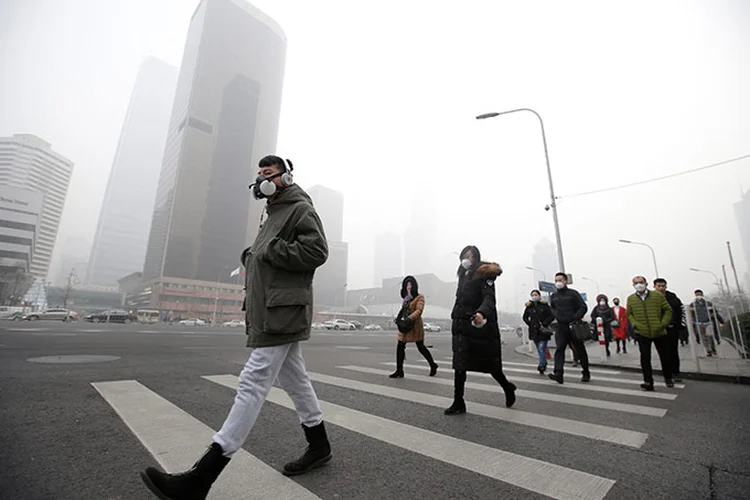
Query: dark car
(112, 317)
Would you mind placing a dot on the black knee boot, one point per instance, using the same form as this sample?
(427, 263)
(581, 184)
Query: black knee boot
(428, 356)
(318, 452)
(459, 406)
(400, 355)
(193, 484)
(508, 387)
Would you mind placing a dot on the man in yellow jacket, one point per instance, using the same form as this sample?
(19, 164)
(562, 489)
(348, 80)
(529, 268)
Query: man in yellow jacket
(650, 314)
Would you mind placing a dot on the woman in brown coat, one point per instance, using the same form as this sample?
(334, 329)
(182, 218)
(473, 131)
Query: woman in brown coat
(415, 303)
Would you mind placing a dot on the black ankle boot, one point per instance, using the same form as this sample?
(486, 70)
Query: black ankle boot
(510, 394)
(457, 408)
(190, 485)
(433, 369)
(318, 452)
(400, 356)
(556, 376)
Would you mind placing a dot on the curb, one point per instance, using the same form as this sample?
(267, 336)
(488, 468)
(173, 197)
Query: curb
(704, 377)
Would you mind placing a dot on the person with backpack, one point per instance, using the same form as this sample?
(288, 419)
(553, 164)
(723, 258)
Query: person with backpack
(475, 331)
(538, 317)
(411, 327)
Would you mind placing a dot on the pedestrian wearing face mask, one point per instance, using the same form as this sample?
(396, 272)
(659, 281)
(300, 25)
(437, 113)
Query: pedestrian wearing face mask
(413, 304)
(538, 317)
(705, 316)
(280, 265)
(676, 326)
(567, 307)
(603, 311)
(620, 330)
(650, 314)
(475, 330)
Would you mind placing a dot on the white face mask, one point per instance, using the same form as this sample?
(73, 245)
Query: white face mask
(559, 285)
(466, 263)
(640, 287)
(535, 298)
(602, 303)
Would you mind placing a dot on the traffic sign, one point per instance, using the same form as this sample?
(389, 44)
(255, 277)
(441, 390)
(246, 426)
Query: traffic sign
(546, 286)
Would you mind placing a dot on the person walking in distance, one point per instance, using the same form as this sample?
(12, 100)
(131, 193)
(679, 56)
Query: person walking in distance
(413, 305)
(538, 317)
(650, 314)
(280, 265)
(603, 311)
(674, 330)
(475, 330)
(620, 330)
(567, 307)
(705, 316)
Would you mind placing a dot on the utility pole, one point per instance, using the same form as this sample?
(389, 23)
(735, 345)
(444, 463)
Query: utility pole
(743, 306)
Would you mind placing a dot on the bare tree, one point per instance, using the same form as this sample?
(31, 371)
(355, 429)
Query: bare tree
(71, 283)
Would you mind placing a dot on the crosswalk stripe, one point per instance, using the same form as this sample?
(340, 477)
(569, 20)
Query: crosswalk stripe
(544, 396)
(569, 385)
(527, 365)
(584, 429)
(173, 437)
(531, 474)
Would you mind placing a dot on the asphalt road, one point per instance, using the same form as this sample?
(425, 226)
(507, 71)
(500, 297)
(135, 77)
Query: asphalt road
(64, 438)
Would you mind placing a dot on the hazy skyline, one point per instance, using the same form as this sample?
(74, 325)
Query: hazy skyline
(379, 103)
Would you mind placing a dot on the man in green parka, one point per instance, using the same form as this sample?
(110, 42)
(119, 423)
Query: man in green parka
(650, 314)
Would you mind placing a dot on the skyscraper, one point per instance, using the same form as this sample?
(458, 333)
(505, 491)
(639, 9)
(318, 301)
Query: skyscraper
(388, 256)
(331, 279)
(26, 161)
(20, 210)
(742, 212)
(544, 258)
(420, 238)
(224, 120)
(125, 219)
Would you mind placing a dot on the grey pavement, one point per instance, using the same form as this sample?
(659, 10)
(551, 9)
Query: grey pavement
(110, 400)
(727, 366)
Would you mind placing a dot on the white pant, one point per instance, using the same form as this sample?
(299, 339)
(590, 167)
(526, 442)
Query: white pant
(261, 370)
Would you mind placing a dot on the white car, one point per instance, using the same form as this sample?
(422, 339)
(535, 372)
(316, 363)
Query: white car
(373, 328)
(339, 324)
(192, 322)
(235, 323)
(429, 327)
(318, 326)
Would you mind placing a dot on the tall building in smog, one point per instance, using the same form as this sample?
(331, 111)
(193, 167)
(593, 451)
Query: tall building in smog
(125, 218)
(388, 256)
(420, 238)
(224, 120)
(544, 258)
(330, 281)
(20, 212)
(742, 212)
(28, 162)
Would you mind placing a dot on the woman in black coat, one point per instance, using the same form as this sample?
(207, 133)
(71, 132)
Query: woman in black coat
(475, 331)
(602, 310)
(538, 316)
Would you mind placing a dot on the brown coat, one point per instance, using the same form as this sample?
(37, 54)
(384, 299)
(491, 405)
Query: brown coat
(416, 308)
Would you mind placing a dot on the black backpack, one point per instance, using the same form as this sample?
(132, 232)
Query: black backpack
(403, 322)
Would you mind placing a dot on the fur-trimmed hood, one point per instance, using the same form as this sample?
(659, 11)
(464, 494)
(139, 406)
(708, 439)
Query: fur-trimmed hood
(487, 271)
(530, 303)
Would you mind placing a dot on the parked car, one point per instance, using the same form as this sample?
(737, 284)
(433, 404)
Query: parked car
(373, 328)
(338, 324)
(318, 326)
(192, 322)
(357, 325)
(53, 315)
(235, 323)
(429, 327)
(115, 316)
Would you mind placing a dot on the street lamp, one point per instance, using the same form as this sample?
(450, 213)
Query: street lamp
(653, 254)
(594, 282)
(544, 276)
(717, 282)
(553, 203)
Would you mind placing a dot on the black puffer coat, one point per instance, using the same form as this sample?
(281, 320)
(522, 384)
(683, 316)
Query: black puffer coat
(536, 316)
(476, 349)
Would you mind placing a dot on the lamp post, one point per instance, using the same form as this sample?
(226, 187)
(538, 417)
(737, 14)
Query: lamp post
(598, 292)
(544, 276)
(653, 254)
(553, 203)
(717, 282)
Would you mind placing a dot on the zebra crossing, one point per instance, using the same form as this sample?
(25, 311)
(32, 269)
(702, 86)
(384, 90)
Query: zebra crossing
(175, 438)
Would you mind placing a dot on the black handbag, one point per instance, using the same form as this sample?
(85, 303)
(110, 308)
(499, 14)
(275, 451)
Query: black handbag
(403, 322)
(545, 333)
(581, 330)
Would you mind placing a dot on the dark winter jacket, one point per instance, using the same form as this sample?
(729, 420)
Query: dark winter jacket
(567, 306)
(280, 265)
(608, 316)
(537, 316)
(678, 312)
(476, 349)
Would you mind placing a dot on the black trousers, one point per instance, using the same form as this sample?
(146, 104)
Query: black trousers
(564, 337)
(459, 382)
(673, 334)
(665, 356)
(401, 354)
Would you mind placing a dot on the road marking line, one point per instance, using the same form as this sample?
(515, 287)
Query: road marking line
(551, 362)
(531, 474)
(176, 439)
(568, 385)
(544, 396)
(353, 347)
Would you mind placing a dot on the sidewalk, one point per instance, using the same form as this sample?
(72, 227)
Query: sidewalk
(727, 367)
